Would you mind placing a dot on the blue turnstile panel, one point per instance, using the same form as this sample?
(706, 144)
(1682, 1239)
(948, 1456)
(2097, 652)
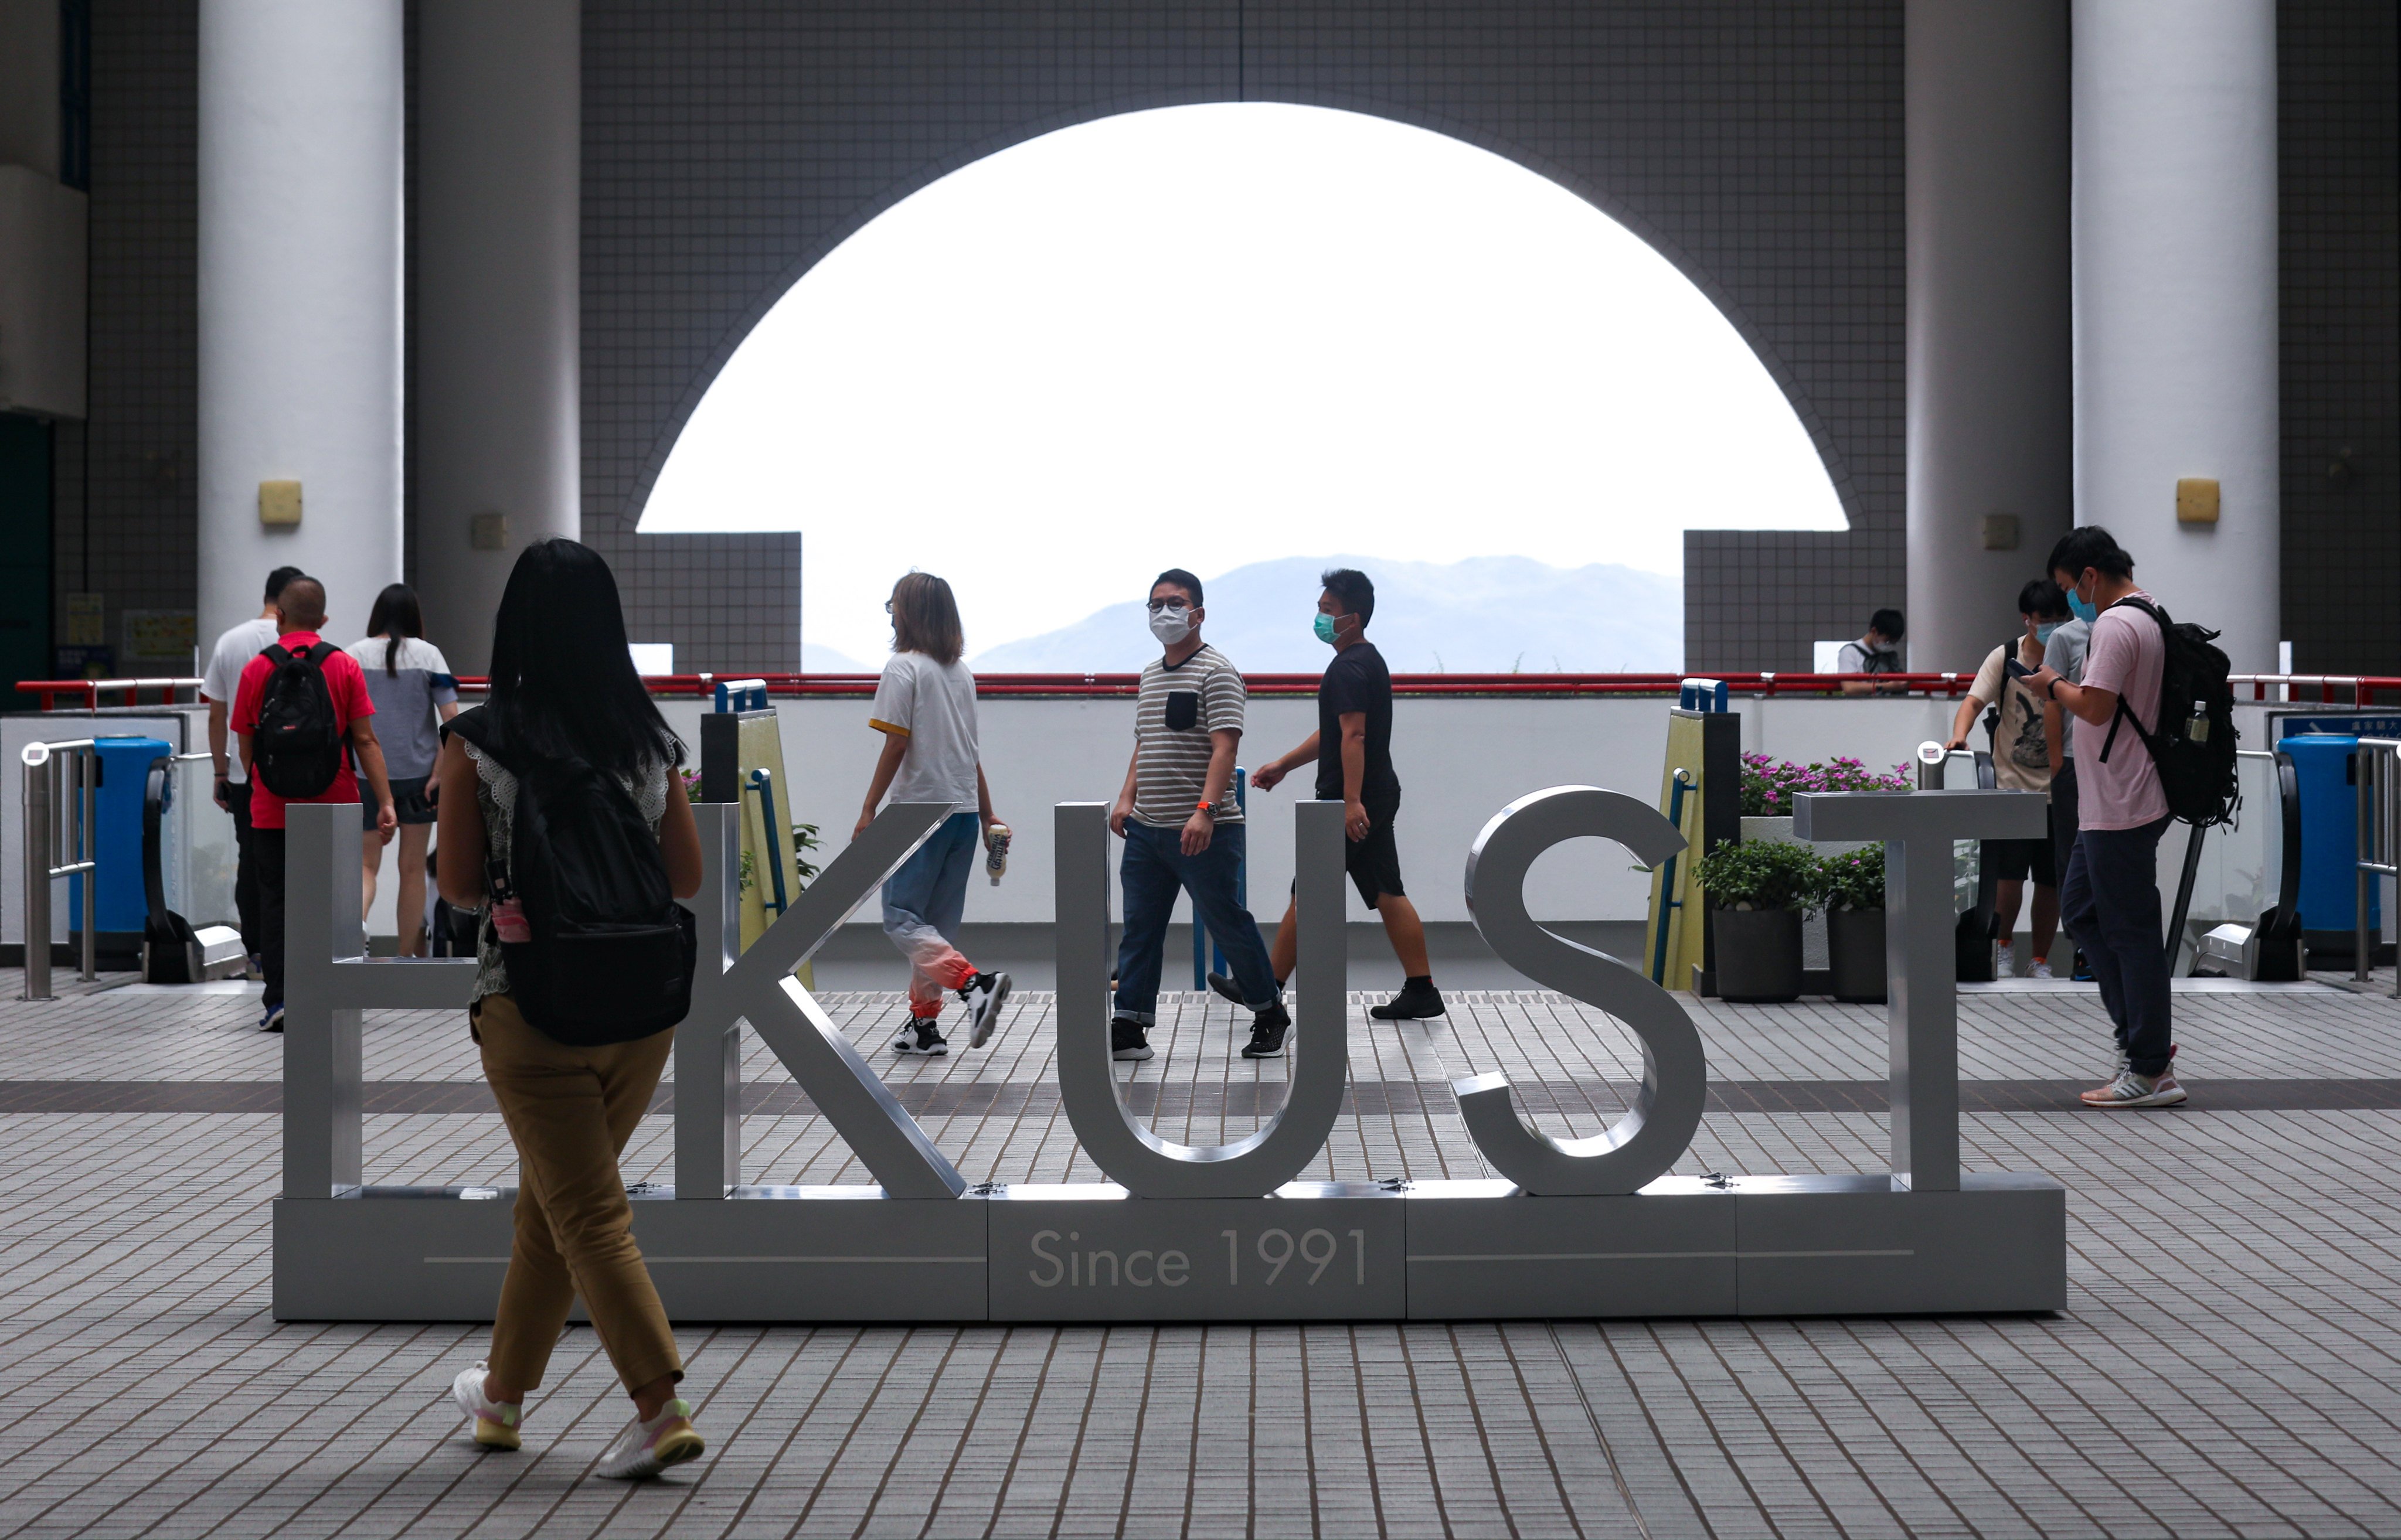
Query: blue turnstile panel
(121, 903)
(2323, 765)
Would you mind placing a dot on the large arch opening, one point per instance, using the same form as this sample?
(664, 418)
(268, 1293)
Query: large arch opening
(1249, 339)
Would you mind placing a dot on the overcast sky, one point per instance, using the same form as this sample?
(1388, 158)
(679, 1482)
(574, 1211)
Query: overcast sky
(1210, 335)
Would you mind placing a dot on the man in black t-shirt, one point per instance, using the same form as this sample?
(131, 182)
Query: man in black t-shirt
(1353, 747)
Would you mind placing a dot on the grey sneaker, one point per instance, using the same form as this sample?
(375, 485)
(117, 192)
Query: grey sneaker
(2129, 1090)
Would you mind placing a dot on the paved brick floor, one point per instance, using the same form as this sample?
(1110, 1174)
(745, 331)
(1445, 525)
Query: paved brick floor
(2229, 1365)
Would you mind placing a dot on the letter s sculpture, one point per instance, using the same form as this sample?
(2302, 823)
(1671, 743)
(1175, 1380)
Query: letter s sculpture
(1666, 1111)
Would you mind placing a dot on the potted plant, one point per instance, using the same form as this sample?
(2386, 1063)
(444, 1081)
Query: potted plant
(1850, 884)
(1770, 784)
(1757, 891)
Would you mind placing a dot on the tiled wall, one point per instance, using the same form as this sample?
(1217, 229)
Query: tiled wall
(2340, 141)
(126, 493)
(730, 144)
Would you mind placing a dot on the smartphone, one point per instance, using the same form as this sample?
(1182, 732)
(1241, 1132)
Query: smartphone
(2016, 670)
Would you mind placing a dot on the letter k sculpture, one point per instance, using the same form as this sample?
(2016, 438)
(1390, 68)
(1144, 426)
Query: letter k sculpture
(731, 987)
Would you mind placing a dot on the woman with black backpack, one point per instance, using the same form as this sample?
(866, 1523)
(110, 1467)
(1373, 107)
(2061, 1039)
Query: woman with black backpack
(563, 821)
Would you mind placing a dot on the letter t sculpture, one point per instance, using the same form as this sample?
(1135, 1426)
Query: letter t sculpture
(1921, 957)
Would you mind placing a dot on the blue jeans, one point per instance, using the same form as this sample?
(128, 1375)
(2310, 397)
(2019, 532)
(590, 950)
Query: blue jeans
(923, 902)
(1153, 867)
(2109, 906)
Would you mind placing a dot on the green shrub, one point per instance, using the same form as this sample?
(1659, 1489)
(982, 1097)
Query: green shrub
(1760, 874)
(1853, 879)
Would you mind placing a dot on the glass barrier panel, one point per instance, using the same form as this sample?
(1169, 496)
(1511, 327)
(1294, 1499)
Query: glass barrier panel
(196, 856)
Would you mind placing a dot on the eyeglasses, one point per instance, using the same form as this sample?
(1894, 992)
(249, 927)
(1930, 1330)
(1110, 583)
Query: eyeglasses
(1157, 606)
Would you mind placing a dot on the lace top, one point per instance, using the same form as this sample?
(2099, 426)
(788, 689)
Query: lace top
(495, 794)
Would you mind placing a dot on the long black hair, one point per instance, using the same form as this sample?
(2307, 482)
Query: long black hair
(563, 682)
(395, 616)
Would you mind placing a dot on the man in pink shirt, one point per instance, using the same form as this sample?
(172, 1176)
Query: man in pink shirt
(2109, 900)
(302, 606)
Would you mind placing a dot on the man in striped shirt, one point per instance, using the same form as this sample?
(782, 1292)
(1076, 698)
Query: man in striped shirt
(1182, 827)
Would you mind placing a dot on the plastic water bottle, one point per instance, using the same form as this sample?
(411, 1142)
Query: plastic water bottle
(995, 845)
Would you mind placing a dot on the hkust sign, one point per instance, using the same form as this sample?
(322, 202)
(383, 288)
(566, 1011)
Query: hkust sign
(1569, 1227)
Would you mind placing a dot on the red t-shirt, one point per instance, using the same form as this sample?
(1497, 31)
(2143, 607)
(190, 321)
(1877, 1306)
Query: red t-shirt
(348, 689)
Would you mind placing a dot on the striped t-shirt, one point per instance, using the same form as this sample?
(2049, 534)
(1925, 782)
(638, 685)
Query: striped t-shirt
(1179, 708)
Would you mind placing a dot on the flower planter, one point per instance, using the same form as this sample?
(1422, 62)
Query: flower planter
(1758, 954)
(1855, 955)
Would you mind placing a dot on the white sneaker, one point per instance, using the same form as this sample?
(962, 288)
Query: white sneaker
(496, 1421)
(985, 993)
(2041, 967)
(2005, 968)
(646, 1449)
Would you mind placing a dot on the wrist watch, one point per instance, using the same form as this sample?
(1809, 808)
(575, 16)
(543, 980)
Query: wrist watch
(1209, 808)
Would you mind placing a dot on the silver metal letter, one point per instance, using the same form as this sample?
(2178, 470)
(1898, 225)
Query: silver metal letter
(1143, 1164)
(759, 988)
(1921, 959)
(1654, 1131)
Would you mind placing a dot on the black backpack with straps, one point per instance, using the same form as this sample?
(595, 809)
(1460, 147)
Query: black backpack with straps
(2193, 743)
(296, 750)
(611, 953)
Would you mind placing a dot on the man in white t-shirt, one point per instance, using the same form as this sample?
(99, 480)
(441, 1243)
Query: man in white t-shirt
(2109, 900)
(926, 709)
(232, 653)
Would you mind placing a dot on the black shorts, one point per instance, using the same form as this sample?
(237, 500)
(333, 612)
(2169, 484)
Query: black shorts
(408, 801)
(2013, 860)
(1374, 863)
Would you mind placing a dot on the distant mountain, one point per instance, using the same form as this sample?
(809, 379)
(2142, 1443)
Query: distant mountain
(817, 658)
(1484, 615)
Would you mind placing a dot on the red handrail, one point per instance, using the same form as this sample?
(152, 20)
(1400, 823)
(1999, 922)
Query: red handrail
(2365, 690)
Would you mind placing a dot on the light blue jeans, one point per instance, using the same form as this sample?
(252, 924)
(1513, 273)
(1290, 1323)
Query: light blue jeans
(923, 902)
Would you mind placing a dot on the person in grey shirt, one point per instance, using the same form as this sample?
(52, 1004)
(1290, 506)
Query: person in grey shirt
(414, 693)
(2063, 651)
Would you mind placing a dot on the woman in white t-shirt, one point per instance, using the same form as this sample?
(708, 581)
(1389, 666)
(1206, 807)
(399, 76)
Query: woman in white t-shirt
(925, 708)
(410, 683)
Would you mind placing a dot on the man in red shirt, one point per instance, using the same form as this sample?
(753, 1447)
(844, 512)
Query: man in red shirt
(302, 604)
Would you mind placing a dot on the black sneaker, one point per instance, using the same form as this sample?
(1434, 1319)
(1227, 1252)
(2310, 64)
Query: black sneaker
(1128, 1039)
(984, 995)
(921, 1035)
(1227, 988)
(1411, 1005)
(1267, 1028)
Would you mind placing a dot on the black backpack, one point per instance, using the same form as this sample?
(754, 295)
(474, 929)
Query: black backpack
(2194, 743)
(296, 749)
(611, 952)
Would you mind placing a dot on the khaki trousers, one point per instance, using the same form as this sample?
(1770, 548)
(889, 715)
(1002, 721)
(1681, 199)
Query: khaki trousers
(570, 1111)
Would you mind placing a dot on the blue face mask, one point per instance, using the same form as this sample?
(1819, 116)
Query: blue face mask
(2086, 611)
(2043, 629)
(1323, 626)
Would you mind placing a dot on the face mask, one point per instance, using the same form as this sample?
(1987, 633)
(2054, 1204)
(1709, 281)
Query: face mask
(2042, 629)
(2086, 611)
(1323, 626)
(1172, 626)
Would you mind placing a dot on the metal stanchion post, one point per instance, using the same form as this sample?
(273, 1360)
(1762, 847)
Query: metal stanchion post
(36, 758)
(87, 855)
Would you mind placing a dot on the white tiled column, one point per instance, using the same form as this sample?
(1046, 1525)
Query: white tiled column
(2175, 300)
(299, 299)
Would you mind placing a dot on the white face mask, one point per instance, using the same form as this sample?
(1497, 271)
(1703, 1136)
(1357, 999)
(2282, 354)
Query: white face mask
(1172, 626)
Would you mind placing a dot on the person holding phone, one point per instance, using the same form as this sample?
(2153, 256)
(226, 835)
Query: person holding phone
(2024, 732)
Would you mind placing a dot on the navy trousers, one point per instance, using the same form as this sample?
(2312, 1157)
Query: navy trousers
(1152, 869)
(2109, 905)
